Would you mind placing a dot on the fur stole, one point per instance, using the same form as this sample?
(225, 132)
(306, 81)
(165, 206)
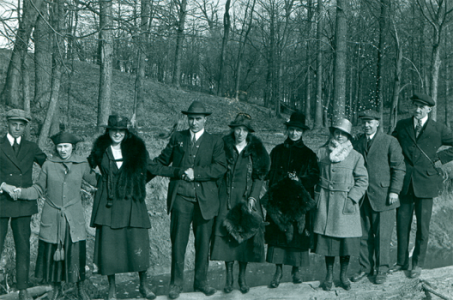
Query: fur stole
(254, 148)
(287, 202)
(338, 152)
(133, 174)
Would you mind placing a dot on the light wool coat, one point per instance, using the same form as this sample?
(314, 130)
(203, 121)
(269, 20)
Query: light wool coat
(338, 193)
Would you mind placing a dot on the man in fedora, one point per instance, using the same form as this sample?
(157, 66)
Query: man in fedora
(420, 138)
(385, 164)
(17, 156)
(197, 161)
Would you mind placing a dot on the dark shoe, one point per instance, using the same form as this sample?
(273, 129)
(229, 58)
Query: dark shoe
(175, 290)
(146, 292)
(328, 282)
(380, 278)
(207, 290)
(415, 272)
(358, 276)
(23, 295)
(243, 287)
(397, 268)
(344, 264)
(297, 277)
(327, 285)
(229, 277)
(277, 277)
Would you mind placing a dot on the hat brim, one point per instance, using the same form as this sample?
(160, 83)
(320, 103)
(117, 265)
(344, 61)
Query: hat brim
(369, 118)
(19, 118)
(185, 112)
(296, 124)
(114, 127)
(333, 128)
(422, 102)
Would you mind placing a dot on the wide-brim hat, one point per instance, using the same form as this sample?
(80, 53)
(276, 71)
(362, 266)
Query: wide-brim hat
(242, 119)
(369, 114)
(297, 119)
(64, 137)
(18, 114)
(342, 124)
(423, 98)
(196, 108)
(117, 122)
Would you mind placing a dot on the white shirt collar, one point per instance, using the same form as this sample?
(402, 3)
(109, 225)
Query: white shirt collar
(423, 121)
(371, 136)
(11, 139)
(197, 135)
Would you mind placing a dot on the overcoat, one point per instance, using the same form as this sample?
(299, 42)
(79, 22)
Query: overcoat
(293, 157)
(59, 183)
(385, 164)
(18, 171)
(210, 165)
(426, 180)
(340, 188)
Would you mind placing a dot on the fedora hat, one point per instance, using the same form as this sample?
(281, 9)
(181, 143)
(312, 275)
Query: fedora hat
(196, 108)
(64, 137)
(297, 119)
(117, 122)
(242, 119)
(18, 114)
(343, 125)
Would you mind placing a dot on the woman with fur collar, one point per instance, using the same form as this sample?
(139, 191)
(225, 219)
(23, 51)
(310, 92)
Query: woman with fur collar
(120, 215)
(239, 229)
(292, 177)
(344, 180)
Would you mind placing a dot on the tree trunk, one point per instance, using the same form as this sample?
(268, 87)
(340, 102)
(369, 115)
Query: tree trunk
(11, 90)
(396, 86)
(379, 98)
(308, 116)
(26, 93)
(319, 62)
(341, 31)
(106, 49)
(179, 42)
(436, 62)
(226, 34)
(57, 16)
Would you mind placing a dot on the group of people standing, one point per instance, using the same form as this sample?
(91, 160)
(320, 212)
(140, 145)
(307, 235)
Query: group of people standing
(339, 201)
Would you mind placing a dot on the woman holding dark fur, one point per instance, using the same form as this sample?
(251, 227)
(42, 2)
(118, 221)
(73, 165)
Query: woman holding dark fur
(239, 229)
(292, 177)
(344, 180)
(120, 215)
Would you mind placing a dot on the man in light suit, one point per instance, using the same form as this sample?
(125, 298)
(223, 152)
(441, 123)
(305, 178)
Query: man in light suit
(194, 160)
(385, 164)
(17, 156)
(420, 138)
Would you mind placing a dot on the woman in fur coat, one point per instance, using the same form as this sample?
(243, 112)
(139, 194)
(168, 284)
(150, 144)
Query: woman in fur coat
(239, 229)
(292, 177)
(344, 180)
(120, 215)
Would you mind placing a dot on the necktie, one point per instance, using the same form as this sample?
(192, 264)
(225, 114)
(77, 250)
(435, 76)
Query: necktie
(194, 140)
(368, 142)
(16, 146)
(418, 128)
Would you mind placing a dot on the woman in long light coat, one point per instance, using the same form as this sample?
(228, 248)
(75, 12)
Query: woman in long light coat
(342, 184)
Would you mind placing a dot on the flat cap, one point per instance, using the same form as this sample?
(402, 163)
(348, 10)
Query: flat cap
(423, 98)
(369, 114)
(18, 114)
(64, 137)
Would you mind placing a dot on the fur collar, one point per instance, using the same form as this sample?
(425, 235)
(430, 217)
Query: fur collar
(290, 143)
(338, 152)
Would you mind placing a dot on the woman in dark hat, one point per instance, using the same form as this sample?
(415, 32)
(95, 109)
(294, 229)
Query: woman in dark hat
(344, 180)
(239, 229)
(62, 235)
(292, 177)
(120, 215)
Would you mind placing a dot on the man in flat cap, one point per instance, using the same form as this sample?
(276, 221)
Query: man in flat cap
(197, 161)
(385, 164)
(17, 156)
(420, 137)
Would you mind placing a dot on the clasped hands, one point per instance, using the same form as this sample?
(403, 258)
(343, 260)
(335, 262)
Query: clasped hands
(188, 175)
(12, 191)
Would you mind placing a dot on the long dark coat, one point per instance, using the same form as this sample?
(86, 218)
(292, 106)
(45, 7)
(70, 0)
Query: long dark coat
(292, 157)
(125, 186)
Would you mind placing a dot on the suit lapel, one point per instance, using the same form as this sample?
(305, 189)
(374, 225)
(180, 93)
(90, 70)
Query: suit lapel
(204, 139)
(375, 142)
(426, 129)
(9, 152)
(410, 129)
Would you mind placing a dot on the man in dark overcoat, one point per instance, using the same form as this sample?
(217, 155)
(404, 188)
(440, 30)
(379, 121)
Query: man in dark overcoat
(194, 160)
(420, 138)
(17, 156)
(385, 165)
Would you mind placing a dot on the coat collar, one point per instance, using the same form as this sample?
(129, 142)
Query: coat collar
(290, 143)
(5, 146)
(73, 159)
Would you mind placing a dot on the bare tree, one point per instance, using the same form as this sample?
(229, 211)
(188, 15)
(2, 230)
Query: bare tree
(182, 13)
(226, 34)
(319, 64)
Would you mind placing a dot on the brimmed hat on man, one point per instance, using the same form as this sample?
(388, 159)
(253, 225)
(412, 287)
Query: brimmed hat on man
(196, 108)
(242, 119)
(117, 122)
(423, 99)
(18, 114)
(64, 137)
(369, 114)
(343, 125)
(297, 119)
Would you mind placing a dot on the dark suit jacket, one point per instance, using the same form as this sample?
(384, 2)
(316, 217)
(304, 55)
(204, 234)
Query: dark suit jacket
(426, 180)
(18, 171)
(385, 164)
(210, 165)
